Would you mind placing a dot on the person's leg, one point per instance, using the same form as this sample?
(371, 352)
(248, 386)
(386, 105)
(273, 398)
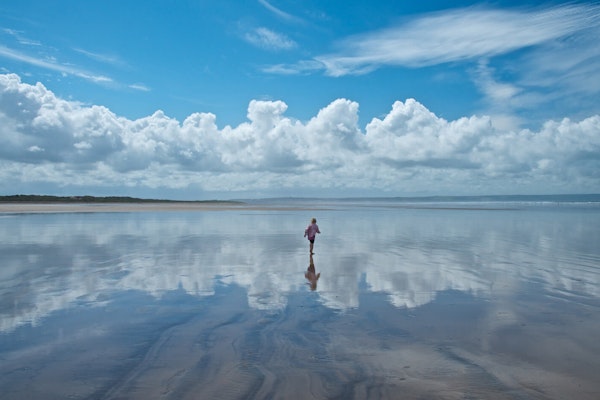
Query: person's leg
(312, 243)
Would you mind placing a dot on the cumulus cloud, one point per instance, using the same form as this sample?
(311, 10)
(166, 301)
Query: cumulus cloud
(44, 138)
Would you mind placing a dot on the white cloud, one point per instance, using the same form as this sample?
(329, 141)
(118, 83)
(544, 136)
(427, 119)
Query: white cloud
(20, 38)
(53, 66)
(267, 39)
(139, 86)
(49, 140)
(457, 35)
(302, 67)
(525, 60)
(278, 12)
(497, 92)
(104, 58)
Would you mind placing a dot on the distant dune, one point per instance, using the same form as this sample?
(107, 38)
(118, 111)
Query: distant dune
(32, 198)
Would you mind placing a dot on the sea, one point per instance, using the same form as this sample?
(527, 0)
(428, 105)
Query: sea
(421, 298)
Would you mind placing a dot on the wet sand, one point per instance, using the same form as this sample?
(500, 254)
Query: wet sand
(27, 208)
(417, 304)
(303, 352)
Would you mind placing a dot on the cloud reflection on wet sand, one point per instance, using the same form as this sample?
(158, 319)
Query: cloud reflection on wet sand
(425, 303)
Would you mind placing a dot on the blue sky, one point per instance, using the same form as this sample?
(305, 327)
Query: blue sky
(204, 99)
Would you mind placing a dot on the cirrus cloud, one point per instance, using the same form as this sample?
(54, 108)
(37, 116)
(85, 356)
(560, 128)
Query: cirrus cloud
(269, 40)
(458, 35)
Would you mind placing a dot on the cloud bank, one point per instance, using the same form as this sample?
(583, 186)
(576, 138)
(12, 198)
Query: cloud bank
(59, 143)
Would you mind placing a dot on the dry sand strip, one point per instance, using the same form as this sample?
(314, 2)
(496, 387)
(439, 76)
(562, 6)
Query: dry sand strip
(39, 208)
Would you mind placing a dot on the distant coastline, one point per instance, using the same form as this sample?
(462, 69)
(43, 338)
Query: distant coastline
(25, 204)
(34, 198)
(515, 198)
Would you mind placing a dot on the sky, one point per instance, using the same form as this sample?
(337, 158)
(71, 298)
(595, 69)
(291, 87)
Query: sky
(196, 99)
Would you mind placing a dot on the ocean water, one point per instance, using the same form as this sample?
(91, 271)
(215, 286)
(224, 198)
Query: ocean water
(436, 300)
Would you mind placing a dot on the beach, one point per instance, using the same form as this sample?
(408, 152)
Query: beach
(57, 207)
(193, 300)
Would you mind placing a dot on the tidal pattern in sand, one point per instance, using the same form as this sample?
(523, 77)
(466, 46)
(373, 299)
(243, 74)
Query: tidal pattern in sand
(427, 302)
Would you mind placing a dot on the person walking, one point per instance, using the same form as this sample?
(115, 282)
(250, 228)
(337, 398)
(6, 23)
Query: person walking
(311, 231)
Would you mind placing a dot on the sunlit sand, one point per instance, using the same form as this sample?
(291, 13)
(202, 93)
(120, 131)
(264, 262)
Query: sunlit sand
(17, 208)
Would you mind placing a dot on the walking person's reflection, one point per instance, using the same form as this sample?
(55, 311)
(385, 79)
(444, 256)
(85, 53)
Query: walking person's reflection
(311, 275)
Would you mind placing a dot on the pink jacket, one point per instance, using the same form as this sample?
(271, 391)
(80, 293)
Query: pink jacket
(311, 231)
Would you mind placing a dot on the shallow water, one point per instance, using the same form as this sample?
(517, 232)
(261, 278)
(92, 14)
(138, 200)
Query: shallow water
(485, 301)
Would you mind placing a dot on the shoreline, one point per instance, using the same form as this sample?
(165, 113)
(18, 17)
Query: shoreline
(47, 208)
(41, 207)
